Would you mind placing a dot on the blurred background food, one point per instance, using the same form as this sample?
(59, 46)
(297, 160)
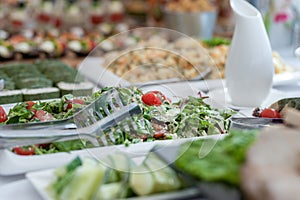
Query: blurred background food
(70, 29)
(101, 18)
(191, 6)
(194, 18)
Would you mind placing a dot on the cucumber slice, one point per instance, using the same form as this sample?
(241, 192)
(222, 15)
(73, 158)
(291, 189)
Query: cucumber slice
(64, 175)
(112, 191)
(121, 162)
(166, 178)
(111, 176)
(85, 181)
(141, 180)
(119, 168)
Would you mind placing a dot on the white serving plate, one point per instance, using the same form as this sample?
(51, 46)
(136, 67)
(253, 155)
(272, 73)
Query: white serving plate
(28, 191)
(41, 179)
(92, 70)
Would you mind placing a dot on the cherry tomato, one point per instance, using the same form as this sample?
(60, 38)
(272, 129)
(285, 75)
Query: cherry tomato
(29, 104)
(43, 115)
(24, 151)
(151, 99)
(270, 113)
(3, 116)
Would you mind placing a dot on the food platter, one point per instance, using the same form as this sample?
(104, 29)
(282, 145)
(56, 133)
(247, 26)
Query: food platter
(91, 68)
(12, 163)
(27, 191)
(137, 58)
(42, 179)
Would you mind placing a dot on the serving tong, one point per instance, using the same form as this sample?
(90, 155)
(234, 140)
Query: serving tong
(92, 122)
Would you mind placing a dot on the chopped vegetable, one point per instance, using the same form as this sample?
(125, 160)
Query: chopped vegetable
(29, 104)
(112, 191)
(3, 116)
(43, 116)
(83, 181)
(87, 179)
(24, 151)
(44, 111)
(141, 181)
(165, 178)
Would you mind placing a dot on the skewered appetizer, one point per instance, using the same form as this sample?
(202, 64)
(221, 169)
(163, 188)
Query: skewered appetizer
(53, 48)
(6, 50)
(81, 47)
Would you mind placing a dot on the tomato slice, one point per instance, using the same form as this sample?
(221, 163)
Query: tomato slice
(151, 99)
(270, 113)
(29, 104)
(24, 151)
(75, 101)
(3, 115)
(43, 115)
(78, 101)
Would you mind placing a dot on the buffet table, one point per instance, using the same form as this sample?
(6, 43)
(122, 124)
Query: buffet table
(18, 187)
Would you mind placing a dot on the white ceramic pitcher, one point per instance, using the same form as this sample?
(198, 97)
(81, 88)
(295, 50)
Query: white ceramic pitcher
(249, 67)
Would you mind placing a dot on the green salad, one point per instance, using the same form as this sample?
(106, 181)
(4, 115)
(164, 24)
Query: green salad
(222, 163)
(161, 118)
